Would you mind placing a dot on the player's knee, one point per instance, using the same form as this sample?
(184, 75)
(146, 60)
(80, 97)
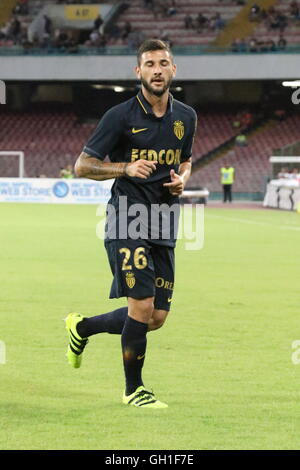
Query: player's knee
(155, 324)
(157, 320)
(147, 306)
(141, 309)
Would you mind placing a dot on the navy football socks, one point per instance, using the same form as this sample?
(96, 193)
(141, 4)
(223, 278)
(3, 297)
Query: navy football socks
(112, 322)
(134, 342)
(133, 339)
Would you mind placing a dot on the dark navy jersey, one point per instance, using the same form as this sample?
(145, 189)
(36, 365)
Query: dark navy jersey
(131, 131)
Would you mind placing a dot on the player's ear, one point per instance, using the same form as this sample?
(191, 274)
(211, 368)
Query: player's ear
(137, 72)
(174, 70)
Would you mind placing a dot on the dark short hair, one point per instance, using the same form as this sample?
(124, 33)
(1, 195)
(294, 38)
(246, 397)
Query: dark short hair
(152, 45)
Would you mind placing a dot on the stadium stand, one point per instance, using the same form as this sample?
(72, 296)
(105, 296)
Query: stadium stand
(273, 28)
(15, 29)
(213, 130)
(170, 23)
(50, 139)
(251, 162)
(280, 20)
(23, 14)
(200, 24)
(179, 24)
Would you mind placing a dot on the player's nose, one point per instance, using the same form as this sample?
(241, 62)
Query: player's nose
(157, 76)
(157, 70)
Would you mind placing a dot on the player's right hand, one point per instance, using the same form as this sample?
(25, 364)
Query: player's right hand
(141, 168)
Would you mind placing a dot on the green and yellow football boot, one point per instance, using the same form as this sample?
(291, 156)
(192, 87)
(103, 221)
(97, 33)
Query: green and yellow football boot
(144, 399)
(76, 343)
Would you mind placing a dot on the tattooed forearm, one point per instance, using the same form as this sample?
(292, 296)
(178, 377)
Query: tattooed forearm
(90, 167)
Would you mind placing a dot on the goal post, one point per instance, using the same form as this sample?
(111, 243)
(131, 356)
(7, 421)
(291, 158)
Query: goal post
(20, 155)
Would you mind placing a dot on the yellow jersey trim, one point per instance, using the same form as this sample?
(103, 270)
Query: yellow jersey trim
(142, 104)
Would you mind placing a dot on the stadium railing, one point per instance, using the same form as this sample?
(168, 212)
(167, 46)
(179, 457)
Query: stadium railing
(124, 50)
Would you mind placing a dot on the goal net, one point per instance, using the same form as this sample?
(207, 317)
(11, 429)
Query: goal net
(12, 164)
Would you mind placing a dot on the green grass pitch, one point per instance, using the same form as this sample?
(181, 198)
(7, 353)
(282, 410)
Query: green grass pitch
(223, 361)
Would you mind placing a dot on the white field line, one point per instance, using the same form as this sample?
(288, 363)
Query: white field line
(253, 222)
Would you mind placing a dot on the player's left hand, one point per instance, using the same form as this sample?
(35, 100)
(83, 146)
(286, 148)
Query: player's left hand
(177, 185)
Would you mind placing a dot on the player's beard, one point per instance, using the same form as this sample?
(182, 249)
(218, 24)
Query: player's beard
(153, 91)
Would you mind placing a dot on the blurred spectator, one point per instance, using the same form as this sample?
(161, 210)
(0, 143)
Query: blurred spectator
(294, 10)
(280, 114)
(148, 4)
(47, 25)
(94, 36)
(238, 45)
(98, 22)
(282, 22)
(253, 45)
(254, 14)
(227, 180)
(45, 41)
(21, 8)
(272, 21)
(96, 39)
(235, 45)
(219, 22)
(276, 20)
(126, 30)
(63, 41)
(241, 140)
(171, 11)
(266, 46)
(67, 172)
(243, 45)
(247, 119)
(102, 40)
(283, 172)
(236, 123)
(201, 22)
(211, 22)
(5, 30)
(188, 22)
(15, 29)
(271, 46)
(282, 43)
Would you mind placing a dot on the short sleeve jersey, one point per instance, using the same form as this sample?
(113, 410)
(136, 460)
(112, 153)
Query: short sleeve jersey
(131, 131)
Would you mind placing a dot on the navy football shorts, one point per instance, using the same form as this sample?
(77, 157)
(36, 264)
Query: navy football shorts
(142, 269)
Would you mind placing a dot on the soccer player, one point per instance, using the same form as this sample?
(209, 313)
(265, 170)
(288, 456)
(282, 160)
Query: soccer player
(149, 142)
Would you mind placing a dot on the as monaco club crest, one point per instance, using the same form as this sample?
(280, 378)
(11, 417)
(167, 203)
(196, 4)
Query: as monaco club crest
(179, 129)
(130, 280)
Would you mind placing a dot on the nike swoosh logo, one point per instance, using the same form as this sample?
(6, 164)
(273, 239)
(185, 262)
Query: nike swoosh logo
(135, 131)
(169, 299)
(140, 357)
